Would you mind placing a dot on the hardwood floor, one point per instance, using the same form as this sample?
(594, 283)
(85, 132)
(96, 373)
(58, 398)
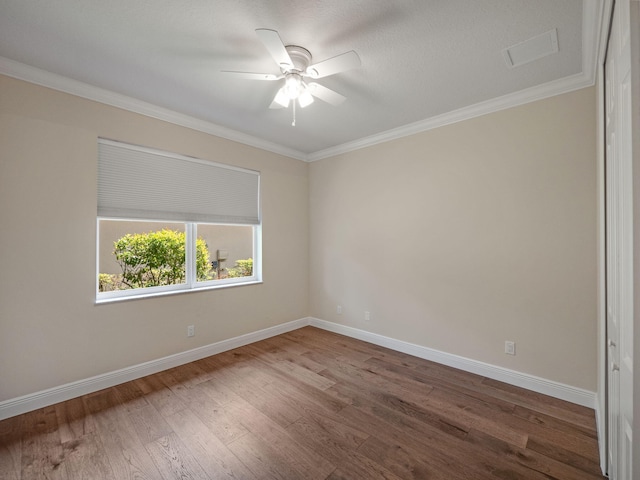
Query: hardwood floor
(308, 404)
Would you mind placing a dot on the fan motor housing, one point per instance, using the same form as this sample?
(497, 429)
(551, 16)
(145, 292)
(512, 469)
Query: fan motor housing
(301, 57)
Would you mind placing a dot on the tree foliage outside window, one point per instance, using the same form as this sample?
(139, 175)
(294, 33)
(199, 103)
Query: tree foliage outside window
(157, 258)
(243, 268)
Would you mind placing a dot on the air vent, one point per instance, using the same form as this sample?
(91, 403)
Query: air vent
(533, 49)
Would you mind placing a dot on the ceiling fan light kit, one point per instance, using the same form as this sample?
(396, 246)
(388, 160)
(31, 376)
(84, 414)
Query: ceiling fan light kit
(305, 98)
(295, 65)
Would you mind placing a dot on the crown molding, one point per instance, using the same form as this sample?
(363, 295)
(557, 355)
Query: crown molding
(30, 74)
(539, 92)
(592, 46)
(592, 26)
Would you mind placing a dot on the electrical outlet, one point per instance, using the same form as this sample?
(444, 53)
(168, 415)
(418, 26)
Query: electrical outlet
(191, 331)
(367, 317)
(339, 309)
(510, 347)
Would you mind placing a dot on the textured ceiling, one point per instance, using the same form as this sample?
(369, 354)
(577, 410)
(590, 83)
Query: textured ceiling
(420, 59)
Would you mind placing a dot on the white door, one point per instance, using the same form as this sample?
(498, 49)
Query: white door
(619, 225)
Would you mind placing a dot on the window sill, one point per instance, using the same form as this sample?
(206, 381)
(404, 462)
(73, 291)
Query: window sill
(140, 296)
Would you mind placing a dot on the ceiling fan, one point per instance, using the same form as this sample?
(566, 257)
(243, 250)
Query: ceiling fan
(295, 67)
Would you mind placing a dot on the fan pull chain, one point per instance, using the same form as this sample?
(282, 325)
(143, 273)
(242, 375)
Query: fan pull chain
(293, 124)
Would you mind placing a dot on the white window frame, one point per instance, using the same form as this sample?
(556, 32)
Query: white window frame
(191, 284)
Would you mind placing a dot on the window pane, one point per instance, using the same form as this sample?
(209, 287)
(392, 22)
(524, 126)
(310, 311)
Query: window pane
(135, 254)
(229, 249)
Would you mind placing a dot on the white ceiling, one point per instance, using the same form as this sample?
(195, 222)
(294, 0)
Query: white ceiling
(424, 62)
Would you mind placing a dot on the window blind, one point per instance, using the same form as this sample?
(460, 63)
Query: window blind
(141, 183)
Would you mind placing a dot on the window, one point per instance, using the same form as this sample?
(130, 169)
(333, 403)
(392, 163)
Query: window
(168, 223)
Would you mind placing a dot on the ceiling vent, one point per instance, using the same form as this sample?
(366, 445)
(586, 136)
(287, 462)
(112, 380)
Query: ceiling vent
(533, 49)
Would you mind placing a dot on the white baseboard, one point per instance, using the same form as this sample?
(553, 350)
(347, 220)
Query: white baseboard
(27, 403)
(512, 377)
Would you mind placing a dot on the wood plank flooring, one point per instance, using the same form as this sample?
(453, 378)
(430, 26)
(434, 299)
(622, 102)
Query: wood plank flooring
(308, 404)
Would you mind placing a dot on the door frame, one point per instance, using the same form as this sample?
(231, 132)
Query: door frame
(602, 373)
(603, 370)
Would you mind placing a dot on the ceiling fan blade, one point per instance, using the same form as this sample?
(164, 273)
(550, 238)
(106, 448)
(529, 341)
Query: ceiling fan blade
(331, 66)
(326, 94)
(253, 76)
(274, 44)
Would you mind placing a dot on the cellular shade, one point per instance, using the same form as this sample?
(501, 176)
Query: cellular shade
(140, 183)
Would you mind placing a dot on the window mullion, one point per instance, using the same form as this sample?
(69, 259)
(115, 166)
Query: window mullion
(190, 254)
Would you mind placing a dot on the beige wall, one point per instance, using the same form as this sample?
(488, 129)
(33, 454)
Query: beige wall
(457, 239)
(468, 235)
(51, 332)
